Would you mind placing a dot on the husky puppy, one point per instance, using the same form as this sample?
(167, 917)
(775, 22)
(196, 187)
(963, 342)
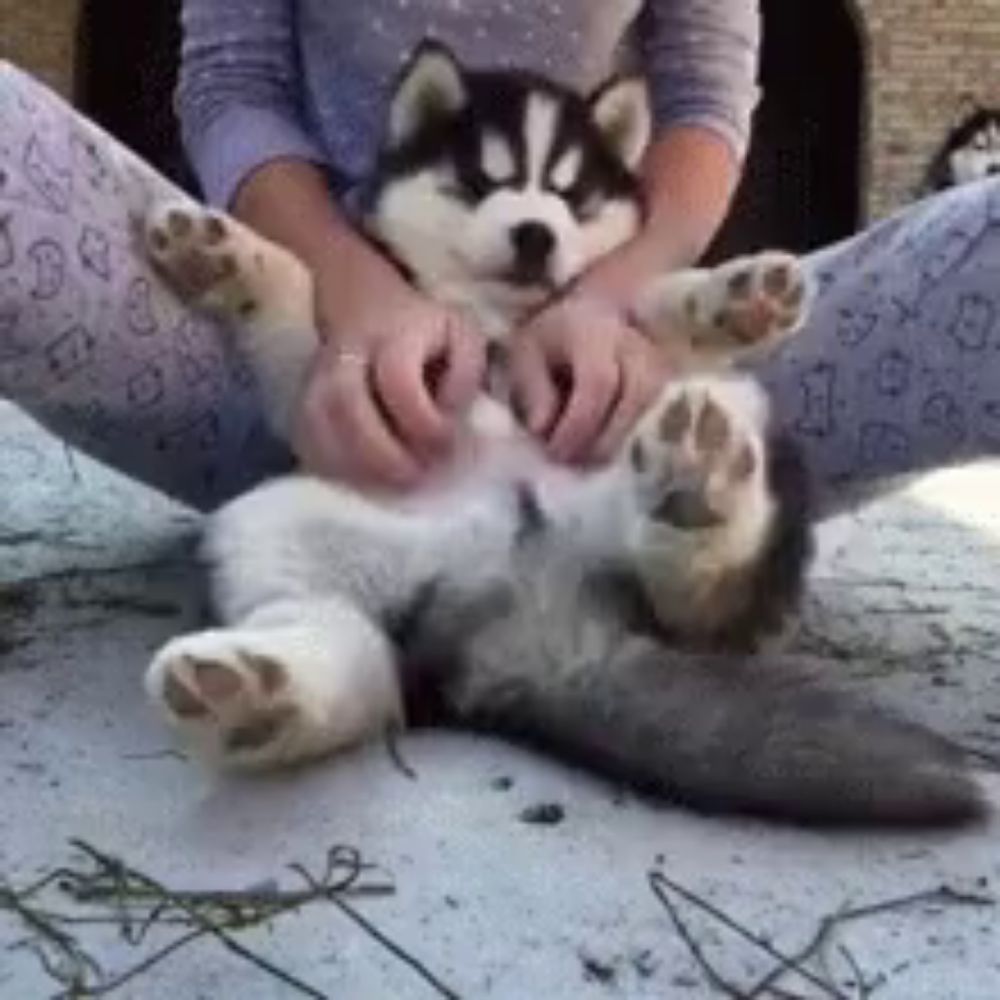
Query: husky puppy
(970, 152)
(555, 606)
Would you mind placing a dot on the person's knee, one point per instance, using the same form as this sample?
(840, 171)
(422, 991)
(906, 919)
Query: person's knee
(9, 74)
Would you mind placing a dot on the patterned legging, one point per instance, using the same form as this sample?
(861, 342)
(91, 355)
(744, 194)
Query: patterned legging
(897, 371)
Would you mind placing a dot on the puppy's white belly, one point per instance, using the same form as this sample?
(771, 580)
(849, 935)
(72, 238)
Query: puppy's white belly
(497, 462)
(303, 537)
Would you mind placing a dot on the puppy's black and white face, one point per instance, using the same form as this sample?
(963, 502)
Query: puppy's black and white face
(975, 149)
(502, 187)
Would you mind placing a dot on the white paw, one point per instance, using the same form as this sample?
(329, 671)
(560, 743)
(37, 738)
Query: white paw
(230, 697)
(204, 257)
(751, 301)
(252, 698)
(705, 506)
(698, 456)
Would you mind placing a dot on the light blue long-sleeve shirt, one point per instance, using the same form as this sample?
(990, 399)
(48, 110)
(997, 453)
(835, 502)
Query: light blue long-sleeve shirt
(265, 79)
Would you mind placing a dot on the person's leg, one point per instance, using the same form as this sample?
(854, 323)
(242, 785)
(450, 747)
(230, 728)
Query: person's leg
(91, 343)
(898, 368)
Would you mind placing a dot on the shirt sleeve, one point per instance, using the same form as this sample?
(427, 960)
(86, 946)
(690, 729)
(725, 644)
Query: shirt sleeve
(239, 96)
(701, 58)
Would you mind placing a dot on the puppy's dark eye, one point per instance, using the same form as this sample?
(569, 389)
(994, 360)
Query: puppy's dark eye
(464, 188)
(467, 184)
(585, 202)
(482, 184)
(453, 190)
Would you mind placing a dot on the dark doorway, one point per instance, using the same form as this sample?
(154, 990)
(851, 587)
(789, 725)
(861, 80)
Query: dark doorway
(126, 71)
(803, 184)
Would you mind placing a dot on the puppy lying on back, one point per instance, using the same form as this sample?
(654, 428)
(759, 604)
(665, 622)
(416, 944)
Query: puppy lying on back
(568, 609)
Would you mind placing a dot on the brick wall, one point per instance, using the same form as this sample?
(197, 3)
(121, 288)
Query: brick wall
(40, 35)
(926, 60)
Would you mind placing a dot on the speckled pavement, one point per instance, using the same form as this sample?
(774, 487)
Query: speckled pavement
(485, 902)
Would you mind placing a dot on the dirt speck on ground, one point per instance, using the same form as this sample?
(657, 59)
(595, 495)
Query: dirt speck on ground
(543, 814)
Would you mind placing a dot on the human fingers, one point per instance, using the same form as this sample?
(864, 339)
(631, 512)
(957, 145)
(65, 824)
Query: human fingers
(596, 379)
(642, 376)
(400, 384)
(346, 434)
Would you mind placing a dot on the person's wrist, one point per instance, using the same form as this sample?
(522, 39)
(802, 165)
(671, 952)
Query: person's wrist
(594, 305)
(619, 279)
(594, 301)
(360, 307)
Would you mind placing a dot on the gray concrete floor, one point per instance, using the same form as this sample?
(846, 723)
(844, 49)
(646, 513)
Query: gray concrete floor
(903, 606)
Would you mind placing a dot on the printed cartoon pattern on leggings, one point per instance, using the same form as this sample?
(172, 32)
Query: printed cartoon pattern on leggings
(899, 367)
(90, 342)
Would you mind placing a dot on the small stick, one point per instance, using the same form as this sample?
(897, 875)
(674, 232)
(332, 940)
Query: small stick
(828, 924)
(392, 734)
(658, 880)
(372, 931)
(117, 867)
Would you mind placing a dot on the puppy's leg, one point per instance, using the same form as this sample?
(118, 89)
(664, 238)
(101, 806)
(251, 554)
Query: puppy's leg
(217, 264)
(717, 314)
(295, 680)
(723, 539)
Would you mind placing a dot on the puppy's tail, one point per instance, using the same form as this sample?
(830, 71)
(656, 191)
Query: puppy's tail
(719, 736)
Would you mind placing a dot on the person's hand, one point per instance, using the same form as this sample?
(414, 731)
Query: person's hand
(383, 398)
(582, 377)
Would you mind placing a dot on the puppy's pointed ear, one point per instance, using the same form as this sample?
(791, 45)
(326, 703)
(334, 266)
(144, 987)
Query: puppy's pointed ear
(430, 88)
(623, 115)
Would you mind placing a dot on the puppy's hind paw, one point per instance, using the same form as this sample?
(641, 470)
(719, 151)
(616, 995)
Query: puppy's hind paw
(230, 699)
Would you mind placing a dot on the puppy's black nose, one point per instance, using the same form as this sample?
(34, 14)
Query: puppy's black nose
(993, 168)
(533, 244)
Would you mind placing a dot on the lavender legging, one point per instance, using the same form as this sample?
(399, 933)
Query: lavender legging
(898, 370)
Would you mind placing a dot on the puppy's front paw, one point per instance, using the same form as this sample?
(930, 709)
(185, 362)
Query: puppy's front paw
(714, 315)
(203, 256)
(751, 301)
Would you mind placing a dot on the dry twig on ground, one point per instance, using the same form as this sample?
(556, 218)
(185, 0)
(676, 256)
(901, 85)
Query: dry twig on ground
(106, 893)
(798, 963)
